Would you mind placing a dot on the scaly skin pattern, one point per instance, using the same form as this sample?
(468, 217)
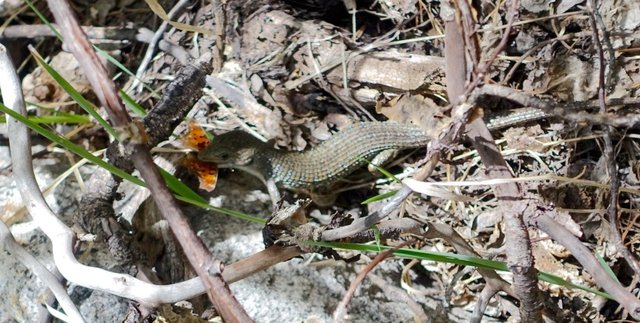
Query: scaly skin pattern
(320, 166)
(333, 159)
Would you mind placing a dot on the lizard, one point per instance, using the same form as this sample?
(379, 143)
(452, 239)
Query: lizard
(328, 162)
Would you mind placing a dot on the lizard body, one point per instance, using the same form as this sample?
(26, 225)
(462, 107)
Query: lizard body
(331, 160)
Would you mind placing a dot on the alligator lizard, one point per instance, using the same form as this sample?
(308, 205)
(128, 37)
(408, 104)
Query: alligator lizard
(333, 159)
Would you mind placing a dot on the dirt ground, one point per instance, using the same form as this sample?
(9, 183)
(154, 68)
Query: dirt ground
(544, 203)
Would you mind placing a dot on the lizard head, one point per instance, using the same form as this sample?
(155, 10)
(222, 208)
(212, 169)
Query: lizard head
(235, 148)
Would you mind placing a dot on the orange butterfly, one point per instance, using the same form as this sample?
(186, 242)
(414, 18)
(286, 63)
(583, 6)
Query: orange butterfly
(197, 139)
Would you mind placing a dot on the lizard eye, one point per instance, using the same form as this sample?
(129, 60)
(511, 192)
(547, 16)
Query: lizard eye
(224, 156)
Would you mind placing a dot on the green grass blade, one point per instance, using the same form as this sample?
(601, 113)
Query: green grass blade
(557, 280)
(453, 259)
(69, 119)
(380, 197)
(229, 212)
(132, 104)
(606, 267)
(180, 188)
